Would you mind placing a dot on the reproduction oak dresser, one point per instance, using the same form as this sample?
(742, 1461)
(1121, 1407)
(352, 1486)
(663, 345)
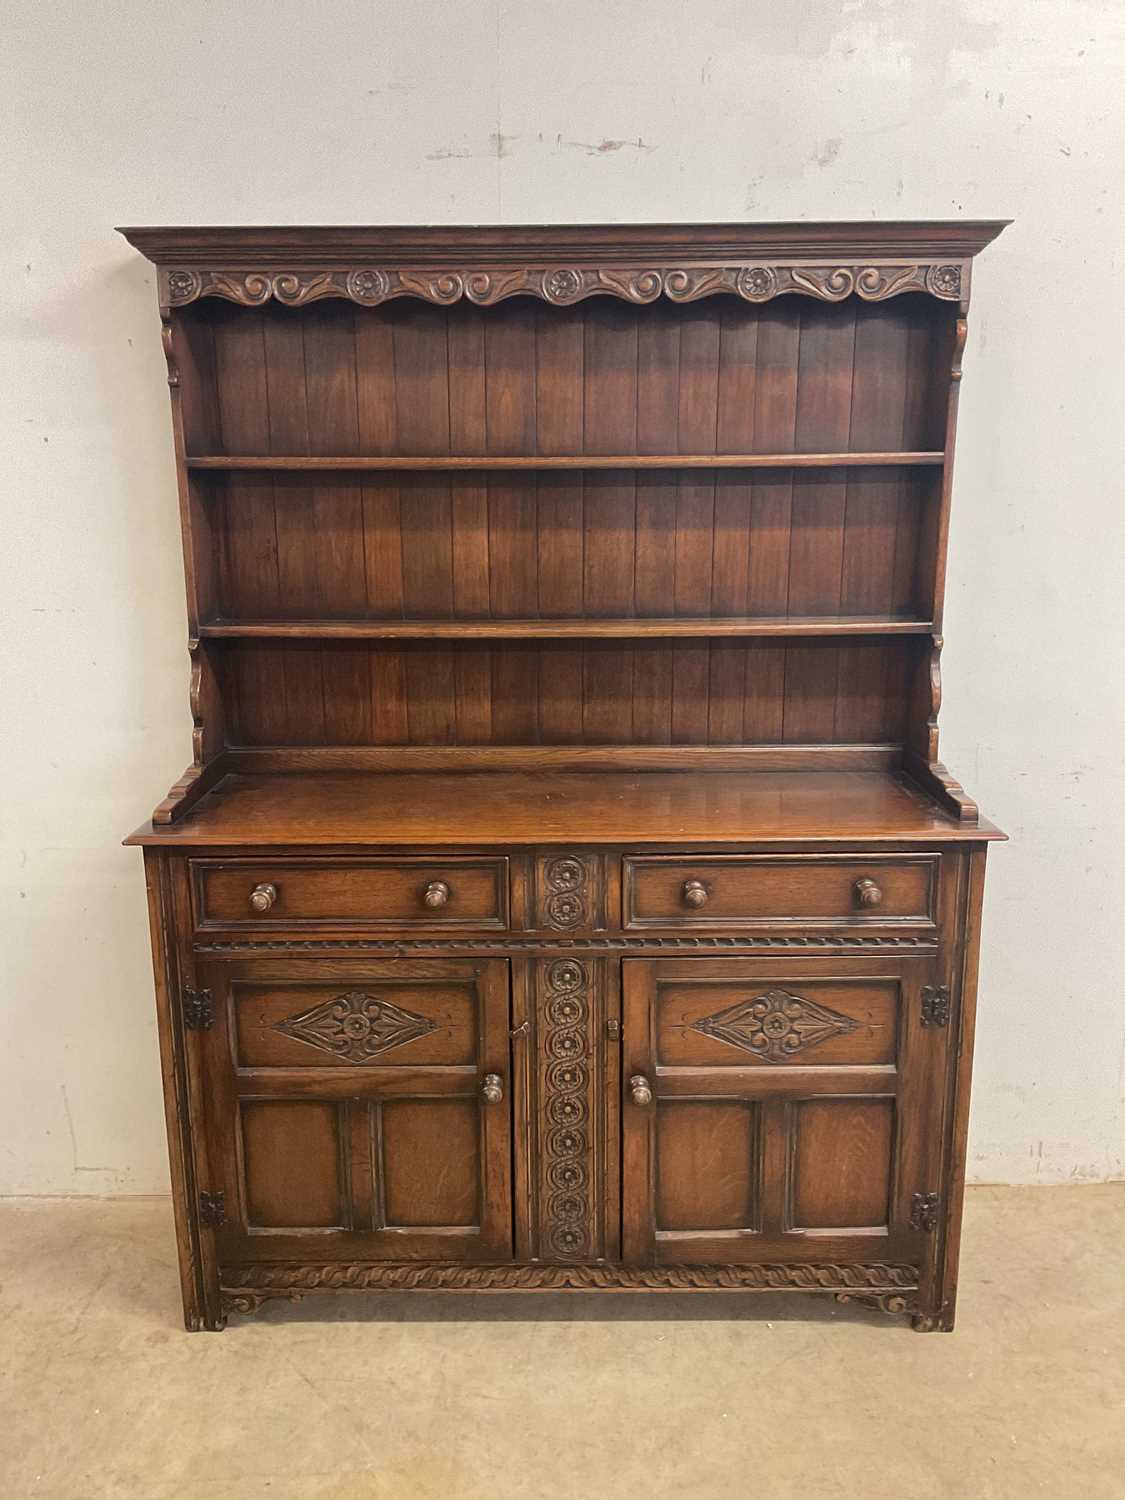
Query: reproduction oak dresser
(566, 891)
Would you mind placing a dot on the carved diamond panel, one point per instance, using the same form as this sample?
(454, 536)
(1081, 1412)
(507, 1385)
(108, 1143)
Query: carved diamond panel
(775, 1026)
(356, 1026)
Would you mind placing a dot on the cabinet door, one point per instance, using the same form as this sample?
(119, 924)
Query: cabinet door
(776, 1109)
(360, 1110)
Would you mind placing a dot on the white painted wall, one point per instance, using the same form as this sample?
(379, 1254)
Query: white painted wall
(274, 111)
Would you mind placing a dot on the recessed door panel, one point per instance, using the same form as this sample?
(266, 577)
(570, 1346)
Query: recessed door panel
(429, 1154)
(292, 1163)
(706, 1157)
(842, 1164)
(361, 1110)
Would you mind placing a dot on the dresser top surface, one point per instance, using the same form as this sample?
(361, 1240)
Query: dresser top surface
(591, 807)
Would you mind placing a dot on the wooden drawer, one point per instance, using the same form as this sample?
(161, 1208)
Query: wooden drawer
(374, 893)
(771, 890)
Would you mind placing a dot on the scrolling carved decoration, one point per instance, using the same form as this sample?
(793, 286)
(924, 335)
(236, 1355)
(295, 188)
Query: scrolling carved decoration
(563, 285)
(282, 1278)
(566, 1083)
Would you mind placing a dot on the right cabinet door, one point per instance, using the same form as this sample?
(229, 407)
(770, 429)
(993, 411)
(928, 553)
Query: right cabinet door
(780, 1110)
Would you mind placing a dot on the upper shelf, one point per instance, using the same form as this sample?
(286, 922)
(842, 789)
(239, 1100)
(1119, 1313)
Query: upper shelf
(565, 461)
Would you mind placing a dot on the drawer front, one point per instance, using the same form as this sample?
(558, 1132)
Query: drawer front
(810, 890)
(372, 893)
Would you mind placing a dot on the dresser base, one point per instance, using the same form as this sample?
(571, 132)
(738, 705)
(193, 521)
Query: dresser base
(879, 1287)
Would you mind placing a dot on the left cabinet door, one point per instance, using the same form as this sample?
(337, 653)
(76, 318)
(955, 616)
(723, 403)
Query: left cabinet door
(359, 1110)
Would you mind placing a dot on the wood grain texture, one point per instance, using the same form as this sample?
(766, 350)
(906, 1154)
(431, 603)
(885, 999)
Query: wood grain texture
(566, 891)
(354, 808)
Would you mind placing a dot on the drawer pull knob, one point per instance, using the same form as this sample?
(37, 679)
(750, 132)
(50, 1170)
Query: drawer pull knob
(492, 1089)
(436, 894)
(640, 1089)
(867, 893)
(695, 893)
(263, 896)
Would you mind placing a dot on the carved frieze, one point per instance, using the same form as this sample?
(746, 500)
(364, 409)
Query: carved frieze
(282, 1277)
(744, 942)
(564, 285)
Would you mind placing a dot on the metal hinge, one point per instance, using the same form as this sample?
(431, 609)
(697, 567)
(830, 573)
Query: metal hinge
(613, 1029)
(935, 1005)
(199, 1014)
(212, 1209)
(924, 1211)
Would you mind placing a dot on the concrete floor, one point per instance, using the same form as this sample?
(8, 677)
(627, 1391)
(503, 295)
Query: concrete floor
(102, 1394)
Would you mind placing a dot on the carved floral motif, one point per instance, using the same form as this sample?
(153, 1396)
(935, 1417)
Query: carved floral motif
(565, 1152)
(565, 903)
(356, 1027)
(754, 282)
(944, 281)
(774, 1026)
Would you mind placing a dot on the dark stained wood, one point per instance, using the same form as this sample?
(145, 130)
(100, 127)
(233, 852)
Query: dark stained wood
(774, 1083)
(354, 808)
(373, 1091)
(566, 890)
(522, 628)
(575, 461)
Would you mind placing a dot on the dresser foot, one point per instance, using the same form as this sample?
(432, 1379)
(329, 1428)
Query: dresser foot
(894, 1303)
(245, 1303)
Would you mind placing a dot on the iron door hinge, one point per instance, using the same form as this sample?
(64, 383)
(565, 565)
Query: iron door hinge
(924, 1212)
(212, 1210)
(199, 1014)
(935, 1005)
(613, 1029)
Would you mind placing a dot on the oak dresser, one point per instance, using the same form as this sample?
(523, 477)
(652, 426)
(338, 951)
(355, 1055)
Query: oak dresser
(566, 892)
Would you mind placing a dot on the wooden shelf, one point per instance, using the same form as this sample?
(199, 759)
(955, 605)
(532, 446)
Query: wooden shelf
(298, 462)
(588, 629)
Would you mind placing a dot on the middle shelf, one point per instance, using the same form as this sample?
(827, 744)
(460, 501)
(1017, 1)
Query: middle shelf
(299, 463)
(563, 629)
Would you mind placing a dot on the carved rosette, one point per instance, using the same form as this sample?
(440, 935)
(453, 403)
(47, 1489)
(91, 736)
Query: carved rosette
(565, 895)
(564, 285)
(566, 1086)
(272, 1278)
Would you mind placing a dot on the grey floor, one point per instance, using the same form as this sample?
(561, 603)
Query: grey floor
(102, 1394)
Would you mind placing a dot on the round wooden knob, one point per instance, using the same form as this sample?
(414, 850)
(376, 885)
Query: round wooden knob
(695, 893)
(641, 1089)
(436, 894)
(492, 1089)
(867, 893)
(263, 896)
